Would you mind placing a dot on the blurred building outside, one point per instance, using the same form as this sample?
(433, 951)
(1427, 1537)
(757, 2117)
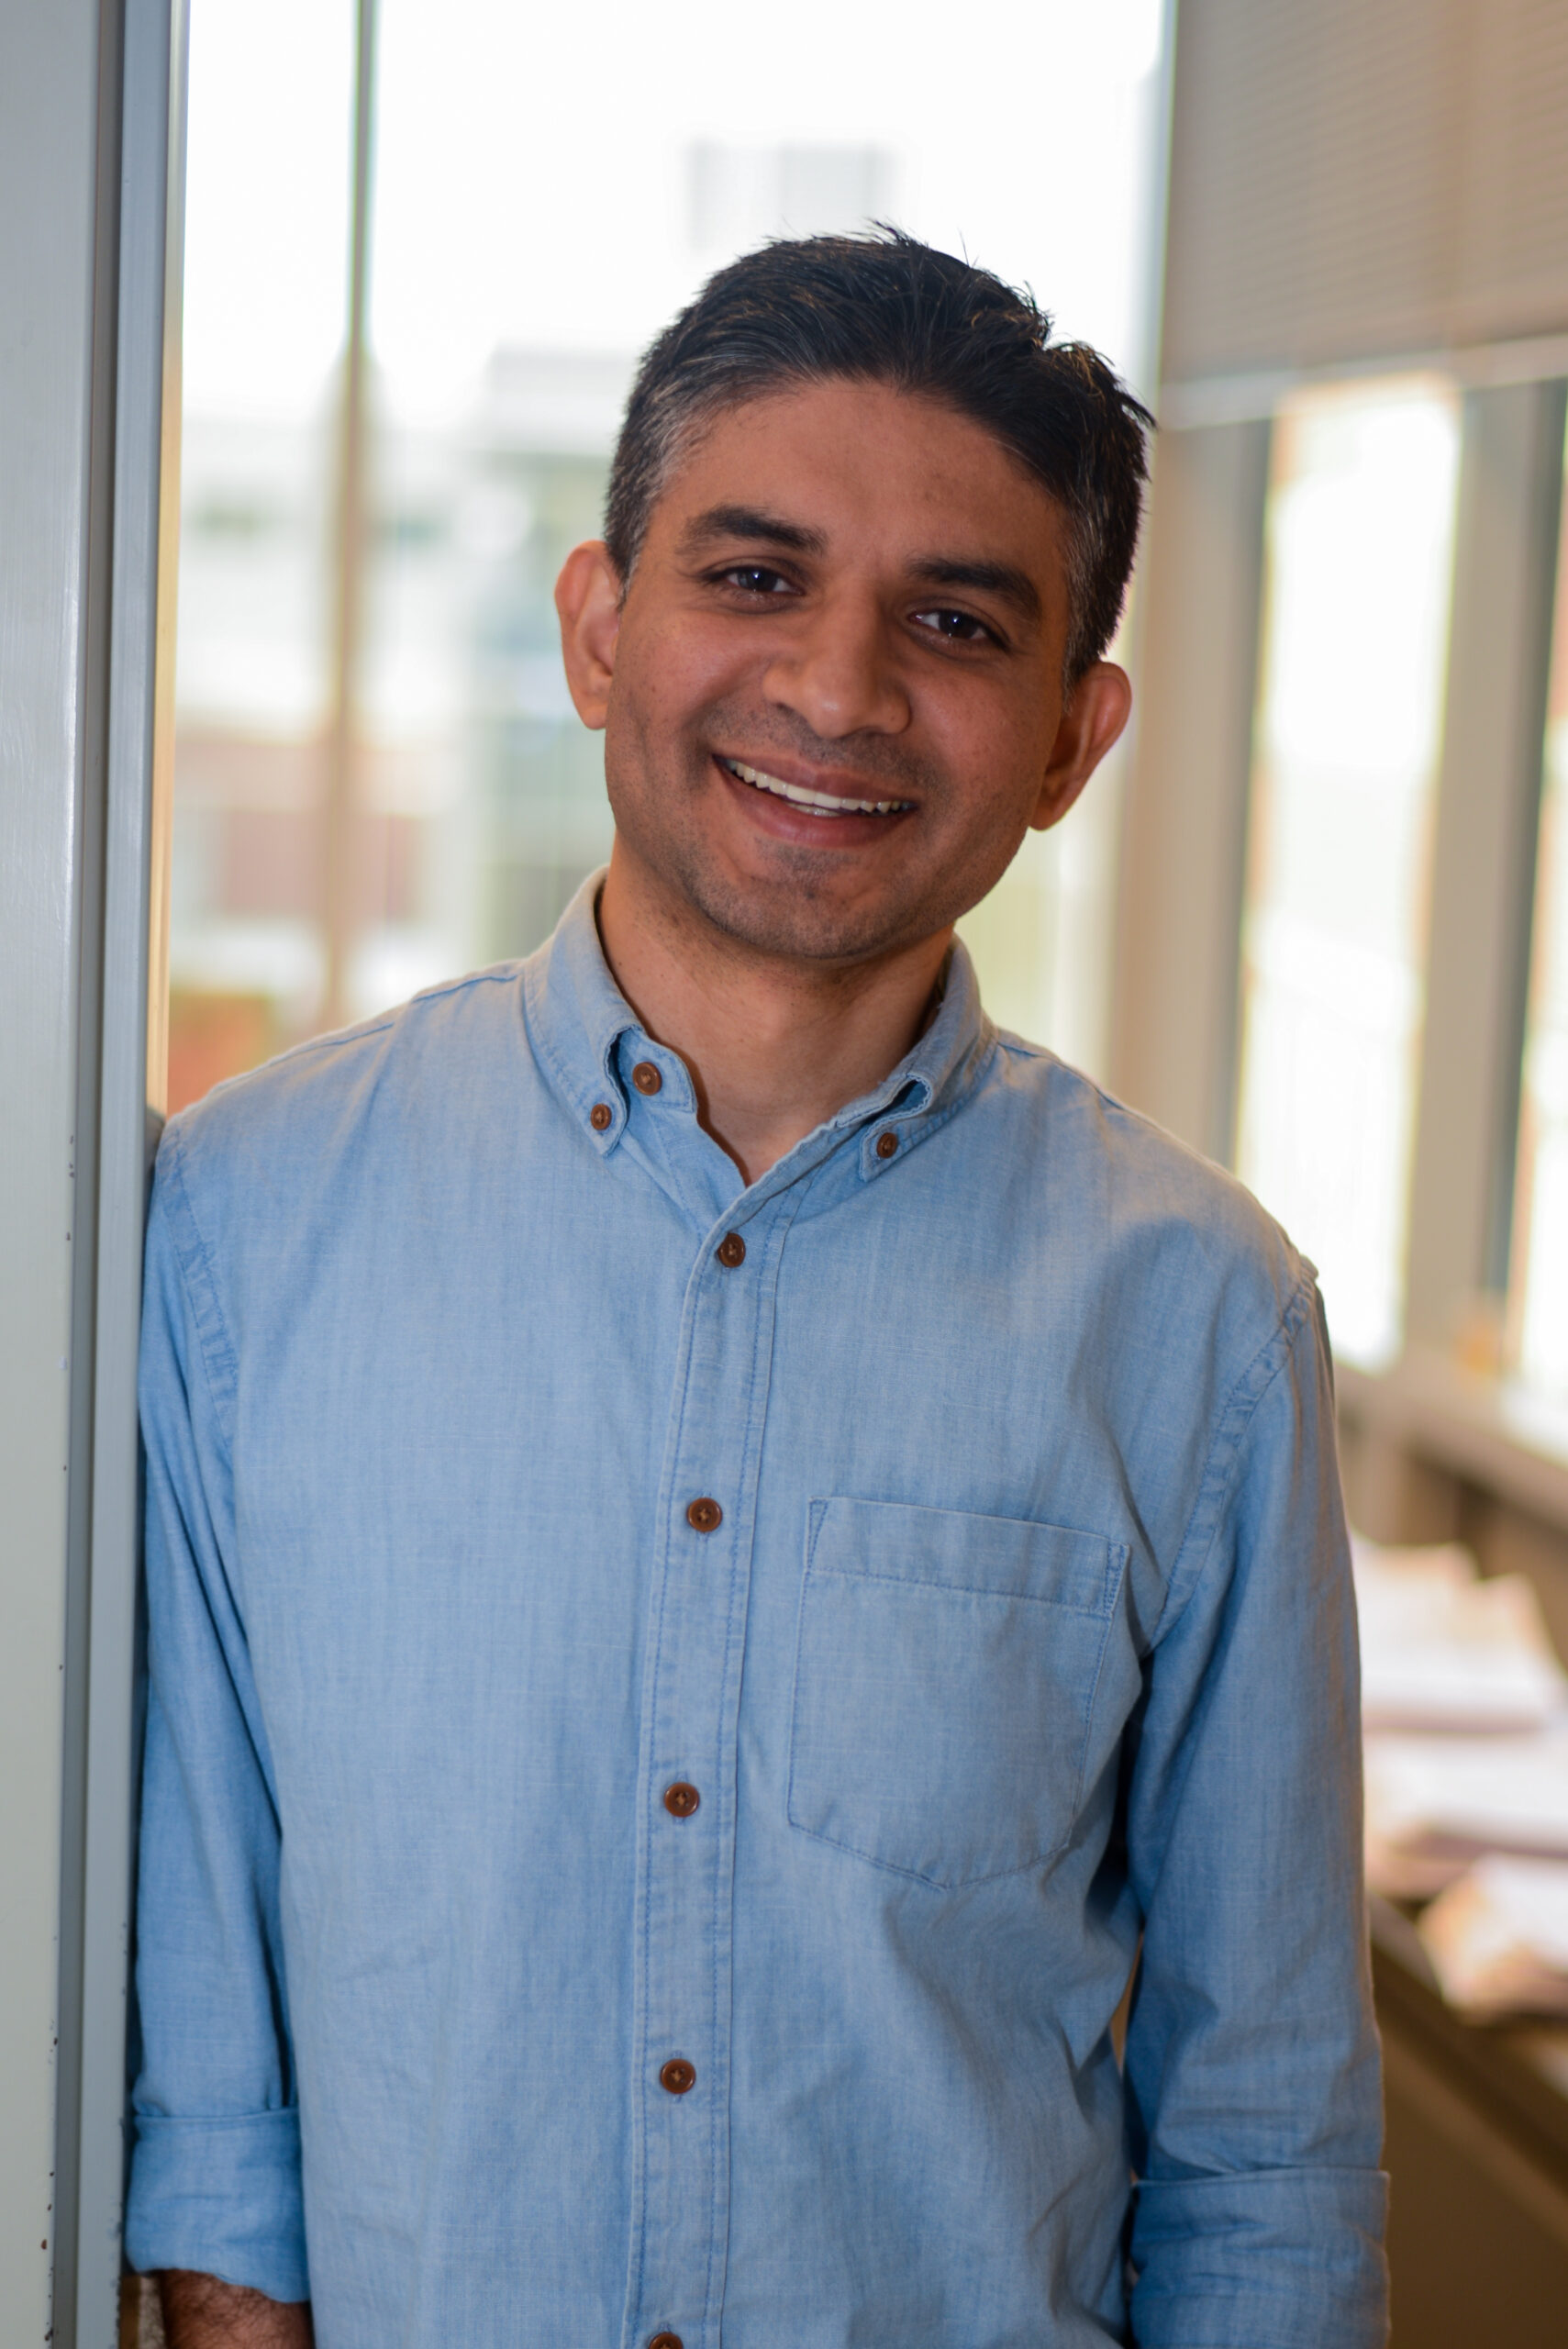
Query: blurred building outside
(479, 799)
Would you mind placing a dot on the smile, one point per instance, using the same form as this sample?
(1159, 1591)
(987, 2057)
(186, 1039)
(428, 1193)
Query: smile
(816, 802)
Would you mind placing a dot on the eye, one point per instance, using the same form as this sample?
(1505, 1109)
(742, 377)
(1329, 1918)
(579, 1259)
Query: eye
(755, 579)
(955, 628)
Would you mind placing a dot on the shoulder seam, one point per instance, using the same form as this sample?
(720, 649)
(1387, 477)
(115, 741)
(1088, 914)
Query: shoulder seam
(1223, 1457)
(495, 974)
(212, 1329)
(499, 974)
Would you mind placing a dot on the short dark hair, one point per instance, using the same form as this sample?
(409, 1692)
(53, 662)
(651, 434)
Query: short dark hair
(882, 308)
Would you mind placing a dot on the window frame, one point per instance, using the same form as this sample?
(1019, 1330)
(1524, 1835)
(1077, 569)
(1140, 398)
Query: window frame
(1447, 1398)
(91, 150)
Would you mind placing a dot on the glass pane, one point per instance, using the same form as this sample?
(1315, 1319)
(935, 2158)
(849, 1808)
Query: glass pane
(547, 194)
(266, 245)
(1540, 1225)
(1360, 549)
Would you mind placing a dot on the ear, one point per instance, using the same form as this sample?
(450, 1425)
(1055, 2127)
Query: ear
(587, 600)
(1097, 709)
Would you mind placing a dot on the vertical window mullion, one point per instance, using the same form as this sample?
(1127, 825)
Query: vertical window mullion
(1174, 1041)
(1538, 1194)
(1482, 857)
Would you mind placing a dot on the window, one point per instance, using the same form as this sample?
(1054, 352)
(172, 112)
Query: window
(1540, 1227)
(266, 260)
(379, 777)
(1359, 560)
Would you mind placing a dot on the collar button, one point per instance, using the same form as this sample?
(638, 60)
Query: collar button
(599, 1115)
(646, 1077)
(887, 1143)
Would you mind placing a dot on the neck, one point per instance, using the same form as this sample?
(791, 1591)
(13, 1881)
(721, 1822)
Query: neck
(775, 1046)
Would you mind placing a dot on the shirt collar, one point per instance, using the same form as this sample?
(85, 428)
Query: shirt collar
(577, 1016)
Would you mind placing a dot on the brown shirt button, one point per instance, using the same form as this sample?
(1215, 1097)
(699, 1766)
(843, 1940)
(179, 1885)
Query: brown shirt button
(681, 1799)
(599, 1115)
(732, 1251)
(704, 1515)
(677, 2075)
(886, 1144)
(667, 2341)
(646, 1077)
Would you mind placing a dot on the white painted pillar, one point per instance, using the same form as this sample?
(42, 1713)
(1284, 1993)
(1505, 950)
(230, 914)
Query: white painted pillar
(84, 110)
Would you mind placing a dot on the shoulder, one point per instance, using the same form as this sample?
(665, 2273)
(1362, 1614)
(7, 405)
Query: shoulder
(285, 1133)
(1175, 1241)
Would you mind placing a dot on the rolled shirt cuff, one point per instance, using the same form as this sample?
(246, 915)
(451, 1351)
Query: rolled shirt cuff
(1269, 2259)
(221, 2197)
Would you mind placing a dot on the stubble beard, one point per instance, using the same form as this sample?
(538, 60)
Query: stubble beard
(794, 914)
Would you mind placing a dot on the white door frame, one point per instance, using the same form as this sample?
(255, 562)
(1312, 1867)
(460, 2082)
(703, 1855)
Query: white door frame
(89, 242)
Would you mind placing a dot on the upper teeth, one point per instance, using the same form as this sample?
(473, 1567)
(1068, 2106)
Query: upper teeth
(821, 803)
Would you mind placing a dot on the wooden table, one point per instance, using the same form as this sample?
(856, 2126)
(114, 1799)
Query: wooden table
(1477, 2153)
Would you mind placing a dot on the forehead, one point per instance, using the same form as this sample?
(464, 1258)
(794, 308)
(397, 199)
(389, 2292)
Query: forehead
(866, 465)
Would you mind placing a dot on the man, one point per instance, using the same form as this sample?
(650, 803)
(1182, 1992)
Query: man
(730, 1550)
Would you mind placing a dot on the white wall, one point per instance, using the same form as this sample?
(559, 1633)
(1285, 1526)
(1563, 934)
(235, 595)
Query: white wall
(85, 251)
(49, 133)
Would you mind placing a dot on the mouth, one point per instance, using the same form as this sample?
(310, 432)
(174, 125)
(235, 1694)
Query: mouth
(828, 805)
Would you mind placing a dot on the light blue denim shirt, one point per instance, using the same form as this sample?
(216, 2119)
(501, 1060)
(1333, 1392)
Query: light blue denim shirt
(955, 1510)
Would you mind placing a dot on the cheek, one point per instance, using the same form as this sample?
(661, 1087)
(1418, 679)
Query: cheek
(702, 648)
(995, 751)
(680, 692)
(664, 686)
(645, 696)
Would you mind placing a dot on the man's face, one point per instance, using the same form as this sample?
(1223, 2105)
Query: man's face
(832, 695)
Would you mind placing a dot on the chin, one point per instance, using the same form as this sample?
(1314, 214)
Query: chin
(786, 906)
(793, 923)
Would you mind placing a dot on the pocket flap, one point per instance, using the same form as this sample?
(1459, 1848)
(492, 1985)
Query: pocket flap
(946, 1675)
(1010, 1557)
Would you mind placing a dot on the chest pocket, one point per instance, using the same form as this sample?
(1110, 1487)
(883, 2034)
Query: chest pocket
(945, 1682)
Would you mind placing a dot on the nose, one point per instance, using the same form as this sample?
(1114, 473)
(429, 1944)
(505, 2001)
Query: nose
(838, 671)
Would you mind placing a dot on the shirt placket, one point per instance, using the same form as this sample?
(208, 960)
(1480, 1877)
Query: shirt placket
(686, 1788)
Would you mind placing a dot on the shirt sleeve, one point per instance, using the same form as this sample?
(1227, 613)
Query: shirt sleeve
(1253, 2067)
(214, 2182)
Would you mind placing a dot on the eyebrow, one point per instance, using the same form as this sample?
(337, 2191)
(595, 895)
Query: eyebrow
(1015, 587)
(750, 522)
